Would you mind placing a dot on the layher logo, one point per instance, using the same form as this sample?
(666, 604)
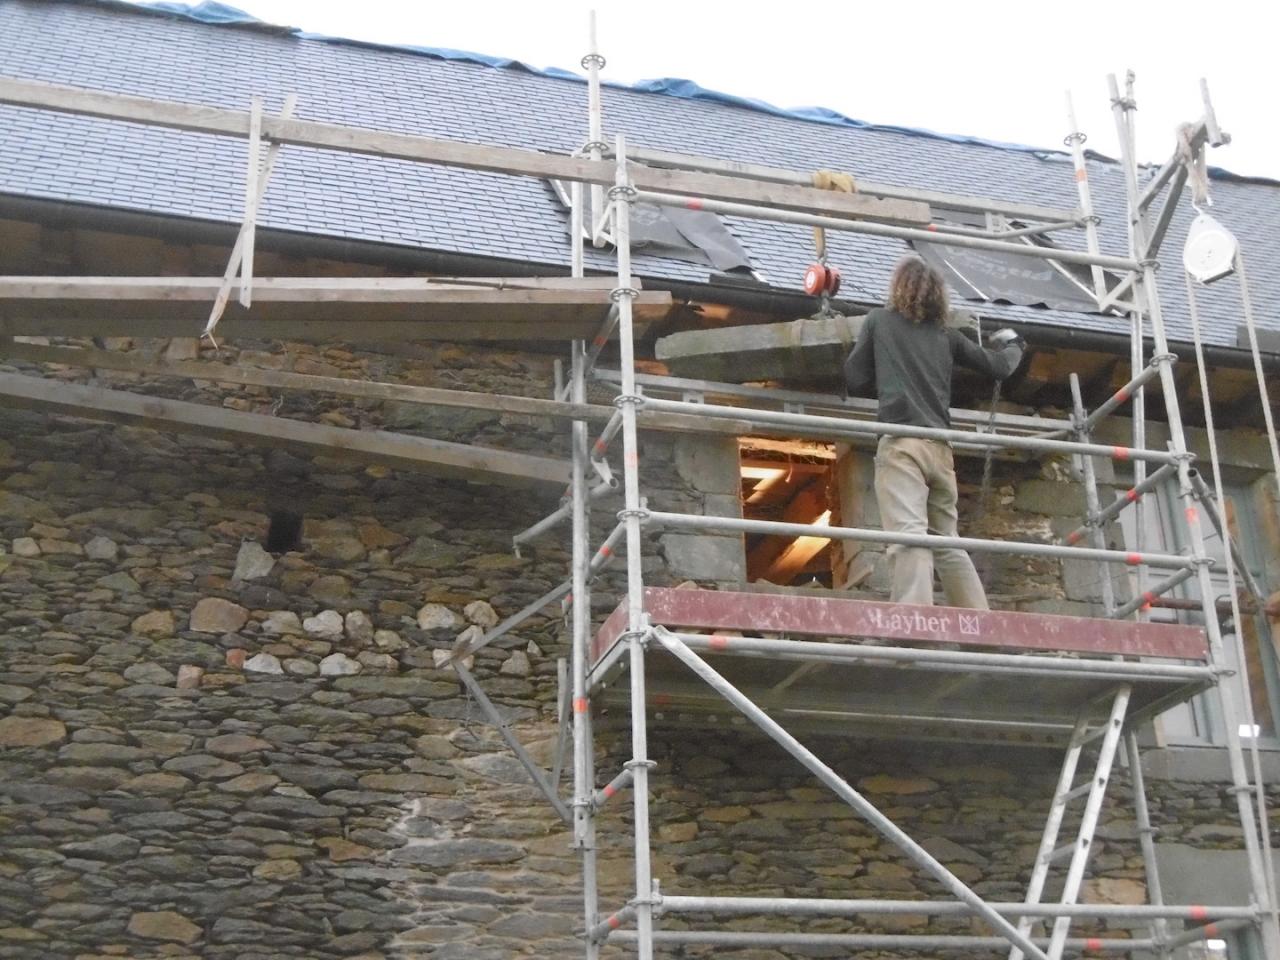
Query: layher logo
(916, 621)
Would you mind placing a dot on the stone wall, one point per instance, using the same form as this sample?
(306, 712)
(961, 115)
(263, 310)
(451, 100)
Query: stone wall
(209, 751)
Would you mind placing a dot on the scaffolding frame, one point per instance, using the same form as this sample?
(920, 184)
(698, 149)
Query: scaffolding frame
(1114, 732)
(736, 189)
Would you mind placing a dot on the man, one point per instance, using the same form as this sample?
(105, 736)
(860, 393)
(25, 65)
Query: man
(904, 357)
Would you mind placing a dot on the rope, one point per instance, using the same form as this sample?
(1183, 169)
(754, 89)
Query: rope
(1246, 301)
(829, 180)
(1229, 561)
(1197, 172)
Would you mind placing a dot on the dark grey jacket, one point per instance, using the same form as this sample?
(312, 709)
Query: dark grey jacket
(907, 366)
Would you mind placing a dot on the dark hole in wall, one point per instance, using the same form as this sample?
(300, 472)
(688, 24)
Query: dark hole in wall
(284, 532)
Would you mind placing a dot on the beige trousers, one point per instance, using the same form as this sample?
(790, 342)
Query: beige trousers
(916, 490)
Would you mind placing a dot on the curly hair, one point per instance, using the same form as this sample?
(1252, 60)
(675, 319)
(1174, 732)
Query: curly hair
(918, 292)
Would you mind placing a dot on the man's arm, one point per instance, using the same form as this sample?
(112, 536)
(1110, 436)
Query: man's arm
(860, 366)
(998, 363)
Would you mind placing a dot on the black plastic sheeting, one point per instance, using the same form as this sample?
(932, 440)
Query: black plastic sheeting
(996, 276)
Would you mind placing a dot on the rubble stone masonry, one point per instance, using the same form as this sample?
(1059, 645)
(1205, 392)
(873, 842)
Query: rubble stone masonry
(210, 750)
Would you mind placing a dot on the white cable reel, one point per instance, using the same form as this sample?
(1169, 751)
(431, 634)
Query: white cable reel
(1210, 250)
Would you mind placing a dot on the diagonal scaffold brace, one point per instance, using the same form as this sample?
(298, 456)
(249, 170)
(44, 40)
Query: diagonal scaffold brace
(677, 648)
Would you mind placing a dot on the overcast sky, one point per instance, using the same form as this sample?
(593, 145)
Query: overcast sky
(986, 68)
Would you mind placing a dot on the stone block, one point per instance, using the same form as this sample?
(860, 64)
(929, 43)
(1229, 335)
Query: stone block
(164, 925)
(31, 732)
(215, 615)
(252, 562)
(709, 464)
(1050, 498)
(707, 557)
(804, 348)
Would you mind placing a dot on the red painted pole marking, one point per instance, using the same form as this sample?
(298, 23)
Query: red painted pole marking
(1120, 453)
(1193, 516)
(693, 204)
(1198, 912)
(1122, 395)
(1211, 931)
(598, 342)
(609, 791)
(719, 642)
(1093, 943)
(605, 551)
(1132, 495)
(580, 705)
(1074, 536)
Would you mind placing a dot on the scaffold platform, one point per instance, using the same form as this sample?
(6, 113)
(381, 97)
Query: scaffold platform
(839, 666)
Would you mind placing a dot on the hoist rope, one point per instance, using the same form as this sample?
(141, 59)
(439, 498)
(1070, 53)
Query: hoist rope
(1238, 632)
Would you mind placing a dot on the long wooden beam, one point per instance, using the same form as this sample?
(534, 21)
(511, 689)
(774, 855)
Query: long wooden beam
(552, 290)
(362, 308)
(935, 198)
(363, 389)
(496, 159)
(481, 328)
(422, 454)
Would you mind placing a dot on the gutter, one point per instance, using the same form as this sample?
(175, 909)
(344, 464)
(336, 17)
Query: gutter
(784, 303)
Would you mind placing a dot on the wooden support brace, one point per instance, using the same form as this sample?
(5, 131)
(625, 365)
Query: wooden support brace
(259, 176)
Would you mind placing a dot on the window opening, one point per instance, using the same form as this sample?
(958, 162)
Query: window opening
(793, 482)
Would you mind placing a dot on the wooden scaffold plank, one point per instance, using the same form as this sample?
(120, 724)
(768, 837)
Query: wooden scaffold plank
(422, 454)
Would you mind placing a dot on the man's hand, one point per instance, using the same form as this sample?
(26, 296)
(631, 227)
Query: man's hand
(1006, 337)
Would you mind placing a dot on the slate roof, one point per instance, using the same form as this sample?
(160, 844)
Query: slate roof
(88, 161)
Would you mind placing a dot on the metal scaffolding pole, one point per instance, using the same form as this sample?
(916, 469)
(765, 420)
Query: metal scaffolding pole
(1076, 140)
(874, 229)
(1146, 841)
(814, 907)
(1122, 108)
(835, 427)
(883, 941)
(621, 197)
(691, 521)
(583, 812)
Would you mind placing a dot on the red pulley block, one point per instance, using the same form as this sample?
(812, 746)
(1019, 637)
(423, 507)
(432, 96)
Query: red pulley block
(816, 279)
(832, 286)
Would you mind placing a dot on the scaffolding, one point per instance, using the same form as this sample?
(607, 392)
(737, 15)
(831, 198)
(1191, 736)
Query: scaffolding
(1091, 689)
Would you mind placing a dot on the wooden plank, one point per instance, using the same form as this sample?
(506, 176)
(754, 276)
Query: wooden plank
(551, 290)
(369, 390)
(949, 201)
(833, 617)
(484, 328)
(320, 307)
(497, 159)
(437, 457)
